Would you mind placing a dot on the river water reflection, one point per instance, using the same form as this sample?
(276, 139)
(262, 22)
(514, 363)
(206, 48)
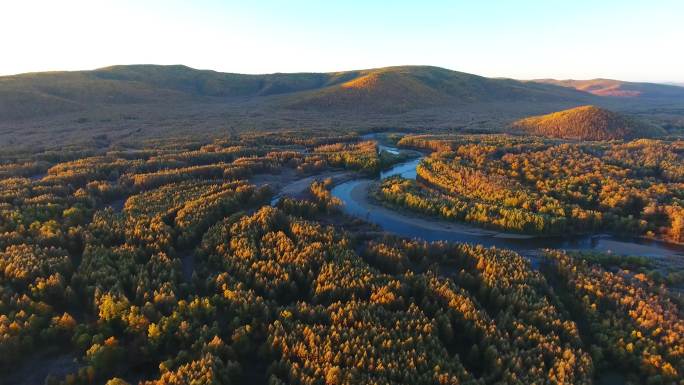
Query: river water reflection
(354, 196)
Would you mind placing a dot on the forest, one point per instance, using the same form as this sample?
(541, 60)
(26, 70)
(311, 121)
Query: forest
(164, 263)
(547, 187)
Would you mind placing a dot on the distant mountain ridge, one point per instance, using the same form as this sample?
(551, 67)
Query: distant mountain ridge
(382, 90)
(618, 88)
(217, 84)
(587, 123)
(397, 89)
(118, 104)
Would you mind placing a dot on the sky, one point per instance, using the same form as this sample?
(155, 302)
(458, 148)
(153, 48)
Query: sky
(523, 39)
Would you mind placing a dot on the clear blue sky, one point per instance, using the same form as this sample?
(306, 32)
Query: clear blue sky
(627, 39)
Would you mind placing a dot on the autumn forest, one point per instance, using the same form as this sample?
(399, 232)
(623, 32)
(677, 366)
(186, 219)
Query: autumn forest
(184, 261)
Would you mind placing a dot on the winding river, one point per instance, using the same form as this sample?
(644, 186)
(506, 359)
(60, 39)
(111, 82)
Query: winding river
(354, 195)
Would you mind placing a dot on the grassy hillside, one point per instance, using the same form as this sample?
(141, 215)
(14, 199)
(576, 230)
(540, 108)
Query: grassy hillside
(385, 90)
(399, 89)
(38, 94)
(53, 109)
(212, 83)
(618, 88)
(586, 123)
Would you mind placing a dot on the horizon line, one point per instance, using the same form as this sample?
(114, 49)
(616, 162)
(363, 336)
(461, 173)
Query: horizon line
(671, 82)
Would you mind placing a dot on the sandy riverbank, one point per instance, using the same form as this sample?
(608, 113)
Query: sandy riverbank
(360, 195)
(291, 184)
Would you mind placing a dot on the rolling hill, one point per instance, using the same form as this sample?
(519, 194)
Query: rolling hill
(38, 94)
(384, 90)
(586, 123)
(618, 88)
(400, 89)
(136, 102)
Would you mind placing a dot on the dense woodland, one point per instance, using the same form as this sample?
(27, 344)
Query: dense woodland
(547, 187)
(165, 264)
(588, 123)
